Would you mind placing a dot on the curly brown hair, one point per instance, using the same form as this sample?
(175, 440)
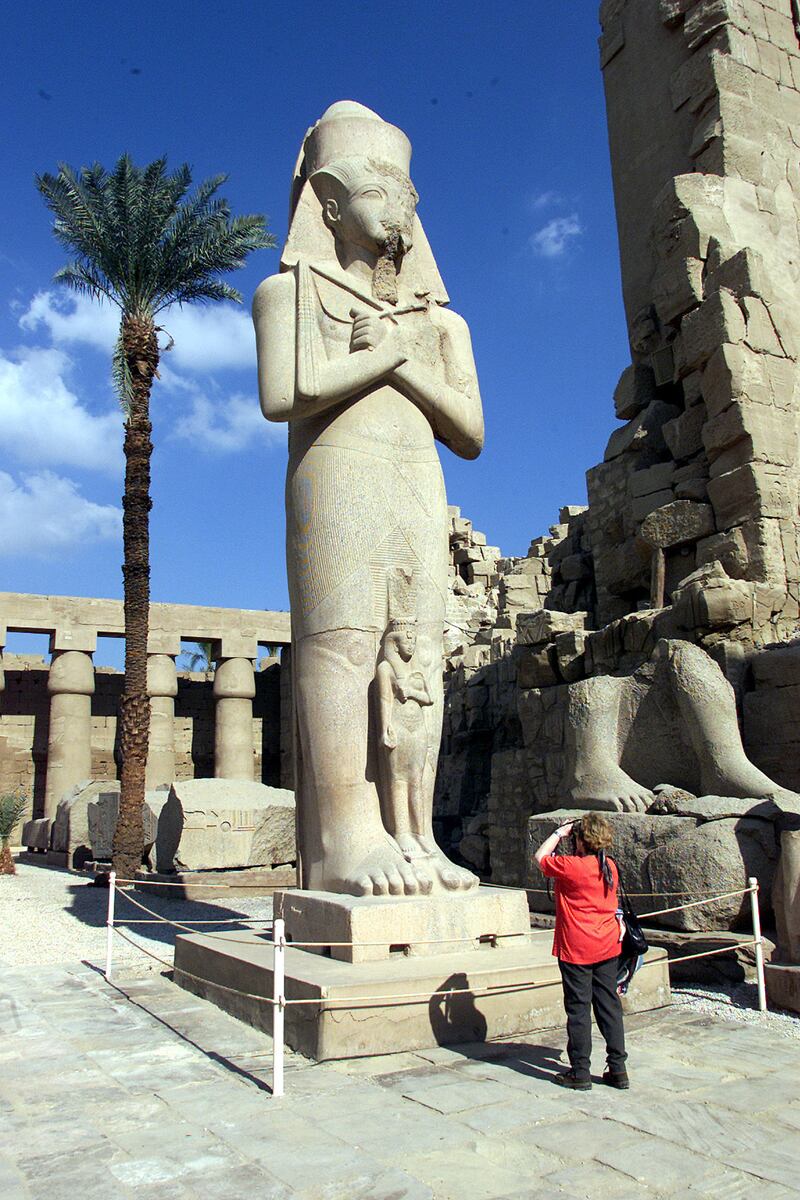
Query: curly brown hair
(595, 832)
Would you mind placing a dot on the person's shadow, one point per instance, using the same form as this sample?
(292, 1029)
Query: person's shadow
(453, 1015)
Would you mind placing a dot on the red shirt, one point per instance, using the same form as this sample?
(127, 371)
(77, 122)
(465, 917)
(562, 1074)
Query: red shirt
(587, 929)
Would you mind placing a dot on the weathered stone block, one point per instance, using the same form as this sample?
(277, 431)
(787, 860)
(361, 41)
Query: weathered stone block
(734, 372)
(760, 434)
(542, 626)
(677, 288)
(644, 505)
(217, 823)
(678, 522)
(749, 493)
(653, 479)
(569, 648)
(536, 667)
(646, 428)
(771, 715)
(718, 320)
(727, 548)
(717, 857)
(777, 667)
(684, 435)
(102, 813)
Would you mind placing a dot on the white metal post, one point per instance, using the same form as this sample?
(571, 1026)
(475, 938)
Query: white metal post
(752, 883)
(278, 1009)
(112, 889)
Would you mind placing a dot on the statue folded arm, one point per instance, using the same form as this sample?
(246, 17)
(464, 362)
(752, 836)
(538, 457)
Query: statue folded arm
(454, 412)
(282, 398)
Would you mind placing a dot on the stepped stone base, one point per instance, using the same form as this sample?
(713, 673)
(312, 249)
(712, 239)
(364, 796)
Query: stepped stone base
(349, 1018)
(783, 985)
(383, 926)
(193, 885)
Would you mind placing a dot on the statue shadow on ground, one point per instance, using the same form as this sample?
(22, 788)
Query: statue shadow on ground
(89, 904)
(535, 1060)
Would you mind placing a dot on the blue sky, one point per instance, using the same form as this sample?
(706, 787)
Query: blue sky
(503, 104)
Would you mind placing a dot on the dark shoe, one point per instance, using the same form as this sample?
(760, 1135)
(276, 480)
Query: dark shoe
(569, 1079)
(617, 1079)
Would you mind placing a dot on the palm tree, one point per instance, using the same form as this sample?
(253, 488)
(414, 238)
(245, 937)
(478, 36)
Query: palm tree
(201, 658)
(12, 809)
(142, 243)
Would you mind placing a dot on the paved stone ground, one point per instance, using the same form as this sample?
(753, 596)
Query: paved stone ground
(142, 1090)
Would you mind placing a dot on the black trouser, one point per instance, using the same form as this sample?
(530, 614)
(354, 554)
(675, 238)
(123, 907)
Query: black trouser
(586, 987)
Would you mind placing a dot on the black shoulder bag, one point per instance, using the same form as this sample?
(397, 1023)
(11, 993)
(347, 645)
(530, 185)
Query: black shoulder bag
(634, 943)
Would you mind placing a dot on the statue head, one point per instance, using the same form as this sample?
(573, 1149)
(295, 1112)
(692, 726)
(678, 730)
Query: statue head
(352, 186)
(403, 633)
(368, 203)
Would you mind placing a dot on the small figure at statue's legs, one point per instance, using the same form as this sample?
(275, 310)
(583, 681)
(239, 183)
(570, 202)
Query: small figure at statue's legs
(407, 724)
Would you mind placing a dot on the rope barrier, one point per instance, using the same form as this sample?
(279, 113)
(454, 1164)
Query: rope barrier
(120, 933)
(179, 924)
(163, 921)
(659, 912)
(192, 884)
(279, 945)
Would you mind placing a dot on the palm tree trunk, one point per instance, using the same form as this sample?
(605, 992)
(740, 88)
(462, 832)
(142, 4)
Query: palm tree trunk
(140, 347)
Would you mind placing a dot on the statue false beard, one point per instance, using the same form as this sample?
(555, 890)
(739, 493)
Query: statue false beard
(384, 274)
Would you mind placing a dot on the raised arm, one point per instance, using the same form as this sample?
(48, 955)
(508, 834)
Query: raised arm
(453, 408)
(282, 396)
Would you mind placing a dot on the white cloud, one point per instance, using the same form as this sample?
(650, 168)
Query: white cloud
(46, 514)
(226, 423)
(545, 200)
(43, 422)
(71, 319)
(207, 337)
(552, 239)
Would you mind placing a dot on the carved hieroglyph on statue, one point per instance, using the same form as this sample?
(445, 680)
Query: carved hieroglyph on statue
(357, 351)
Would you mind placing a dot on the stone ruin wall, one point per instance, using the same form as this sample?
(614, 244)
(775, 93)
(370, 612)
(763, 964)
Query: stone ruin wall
(58, 724)
(692, 525)
(25, 724)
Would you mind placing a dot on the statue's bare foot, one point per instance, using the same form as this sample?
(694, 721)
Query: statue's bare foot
(411, 847)
(381, 871)
(737, 776)
(451, 877)
(613, 791)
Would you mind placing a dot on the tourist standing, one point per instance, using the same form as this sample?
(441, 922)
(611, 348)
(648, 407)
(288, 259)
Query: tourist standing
(587, 944)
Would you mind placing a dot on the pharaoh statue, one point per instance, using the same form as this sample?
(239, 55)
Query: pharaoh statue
(671, 723)
(357, 351)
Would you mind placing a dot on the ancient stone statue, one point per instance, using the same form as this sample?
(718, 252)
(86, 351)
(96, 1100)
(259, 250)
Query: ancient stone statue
(671, 722)
(357, 351)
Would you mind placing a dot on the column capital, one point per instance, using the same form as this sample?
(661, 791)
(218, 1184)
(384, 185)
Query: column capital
(234, 678)
(162, 676)
(71, 673)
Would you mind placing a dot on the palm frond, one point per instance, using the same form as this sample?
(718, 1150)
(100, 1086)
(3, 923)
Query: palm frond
(140, 240)
(12, 808)
(121, 375)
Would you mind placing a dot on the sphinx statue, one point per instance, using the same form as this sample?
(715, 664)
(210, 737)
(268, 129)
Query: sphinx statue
(358, 352)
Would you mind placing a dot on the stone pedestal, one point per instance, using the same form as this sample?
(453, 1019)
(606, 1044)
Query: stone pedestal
(69, 746)
(234, 689)
(783, 985)
(382, 927)
(162, 687)
(415, 996)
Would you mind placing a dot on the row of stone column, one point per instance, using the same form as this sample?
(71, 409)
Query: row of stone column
(71, 684)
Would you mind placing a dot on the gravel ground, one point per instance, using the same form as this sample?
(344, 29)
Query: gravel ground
(50, 916)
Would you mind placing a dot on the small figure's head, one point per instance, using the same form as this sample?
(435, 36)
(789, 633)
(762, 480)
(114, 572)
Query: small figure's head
(368, 204)
(592, 833)
(403, 635)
